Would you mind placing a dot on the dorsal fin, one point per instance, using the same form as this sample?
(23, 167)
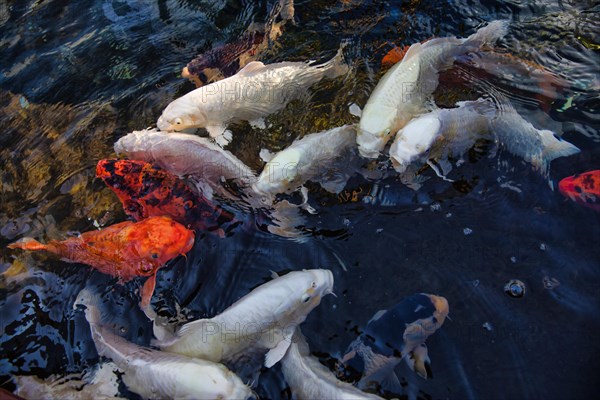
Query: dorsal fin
(251, 67)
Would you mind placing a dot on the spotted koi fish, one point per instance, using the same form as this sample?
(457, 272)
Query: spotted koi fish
(125, 250)
(146, 190)
(223, 61)
(583, 188)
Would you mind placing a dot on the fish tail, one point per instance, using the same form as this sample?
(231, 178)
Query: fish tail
(28, 244)
(553, 147)
(337, 66)
(488, 34)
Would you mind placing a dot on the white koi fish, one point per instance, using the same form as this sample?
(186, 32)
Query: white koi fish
(256, 91)
(403, 91)
(309, 379)
(444, 132)
(187, 155)
(157, 374)
(399, 334)
(321, 157)
(100, 383)
(260, 323)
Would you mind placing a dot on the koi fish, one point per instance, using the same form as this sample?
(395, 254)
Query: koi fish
(188, 155)
(399, 334)
(321, 157)
(156, 374)
(223, 61)
(583, 189)
(256, 91)
(99, 383)
(261, 323)
(309, 379)
(403, 91)
(444, 132)
(146, 190)
(125, 250)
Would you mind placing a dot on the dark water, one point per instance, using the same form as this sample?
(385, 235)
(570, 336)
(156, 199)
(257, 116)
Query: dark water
(76, 76)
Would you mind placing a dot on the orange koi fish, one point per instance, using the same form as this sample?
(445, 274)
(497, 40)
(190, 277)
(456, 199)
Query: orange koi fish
(146, 190)
(583, 188)
(125, 250)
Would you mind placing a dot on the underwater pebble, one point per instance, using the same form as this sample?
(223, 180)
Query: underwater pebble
(550, 283)
(487, 326)
(448, 215)
(515, 288)
(435, 207)
(513, 259)
(543, 246)
(346, 222)
(379, 230)
(467, 231)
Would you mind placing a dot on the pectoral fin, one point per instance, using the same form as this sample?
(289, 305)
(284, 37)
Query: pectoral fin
(418, 360)
(277, 352)
(220, 134)
(147, 291)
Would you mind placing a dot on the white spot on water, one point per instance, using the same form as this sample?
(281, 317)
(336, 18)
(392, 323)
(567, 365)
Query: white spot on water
(379, 230)
(467, 231)
(513, 259)
(448, 215)
(435, 207)
(543, 246)
(487, 326)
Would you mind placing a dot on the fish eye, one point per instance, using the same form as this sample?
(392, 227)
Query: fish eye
(305, 298)
(178, 121)
(154, 255)
(313, 285)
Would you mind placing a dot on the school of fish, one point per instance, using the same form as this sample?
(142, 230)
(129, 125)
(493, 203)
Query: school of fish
(176, 185)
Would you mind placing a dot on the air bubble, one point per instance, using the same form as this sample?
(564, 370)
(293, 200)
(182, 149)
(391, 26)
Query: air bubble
(515, 288)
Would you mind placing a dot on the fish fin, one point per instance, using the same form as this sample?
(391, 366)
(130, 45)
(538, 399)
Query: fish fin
(336, 66)
(266, 155)
(277, 352)
(377, 315)
(258, 123)
(386, 377)
(335, 184)
(214, 131)
(555, 147)
(251, 67)
(147, 291)
(439, 170)
(28, 244)
(305, 205)
(418, 360)
(224, 139)
(355, 110)
(488, 34)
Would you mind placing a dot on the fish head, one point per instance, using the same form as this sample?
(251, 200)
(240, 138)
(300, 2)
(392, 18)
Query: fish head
(279, 174)
(157, 240)
(300, 292)
(374, 130)
(413, 142)
(181, 115)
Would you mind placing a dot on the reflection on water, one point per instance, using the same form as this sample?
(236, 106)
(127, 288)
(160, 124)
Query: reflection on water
(75, 77)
